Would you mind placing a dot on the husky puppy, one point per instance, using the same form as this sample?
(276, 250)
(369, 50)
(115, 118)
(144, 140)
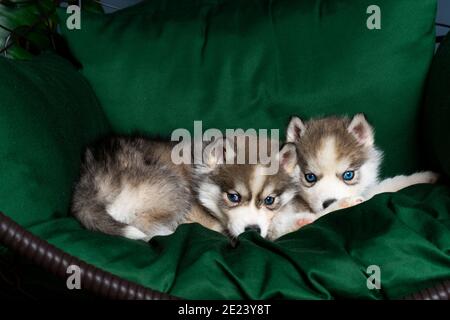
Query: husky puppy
(130, 187)
(339, 162)
(246, 196)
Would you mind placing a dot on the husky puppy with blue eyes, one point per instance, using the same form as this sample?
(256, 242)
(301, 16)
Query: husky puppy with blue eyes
(248, 196)
(340, 162)
(131, 187)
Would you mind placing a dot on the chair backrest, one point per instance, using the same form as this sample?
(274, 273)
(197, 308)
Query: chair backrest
(161, 65)
(48, 113)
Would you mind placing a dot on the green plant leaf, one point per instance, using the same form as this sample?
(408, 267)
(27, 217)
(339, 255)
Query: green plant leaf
(26, 27)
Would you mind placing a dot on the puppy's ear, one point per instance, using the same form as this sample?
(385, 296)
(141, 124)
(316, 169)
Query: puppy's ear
(361, 130)
(218, 152)
(295, 130)
(288, 157)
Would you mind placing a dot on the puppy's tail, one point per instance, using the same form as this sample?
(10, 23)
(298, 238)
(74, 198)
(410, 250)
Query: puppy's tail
(98, 219)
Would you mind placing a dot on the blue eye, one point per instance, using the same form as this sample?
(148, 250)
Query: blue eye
(348, 175)
(268, 201)
(234, 197)
(310, 177)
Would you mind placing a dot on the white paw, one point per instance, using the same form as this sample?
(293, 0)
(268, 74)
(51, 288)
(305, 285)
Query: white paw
(305, 216)
(349, 202)
(289, 222)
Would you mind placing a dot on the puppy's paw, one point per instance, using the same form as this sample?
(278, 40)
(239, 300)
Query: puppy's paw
(349, 202)
(304, 218)
(427, 177)
(304, 222)
(289, 222)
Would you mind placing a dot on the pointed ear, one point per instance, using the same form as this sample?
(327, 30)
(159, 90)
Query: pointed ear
(288, 157)
(295, 130)
(218, 152)
(361, 130)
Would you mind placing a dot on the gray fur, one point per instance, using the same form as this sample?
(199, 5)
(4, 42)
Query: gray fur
(137, 164)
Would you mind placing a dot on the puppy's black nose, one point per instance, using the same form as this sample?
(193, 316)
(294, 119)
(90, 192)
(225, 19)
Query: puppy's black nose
(253, 227)
(327, 203)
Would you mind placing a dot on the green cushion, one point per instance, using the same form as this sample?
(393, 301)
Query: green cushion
(48, 113)
(437, 108)
(251, 64)
(406, 234)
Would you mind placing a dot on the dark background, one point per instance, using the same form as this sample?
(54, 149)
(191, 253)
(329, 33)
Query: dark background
(443, 15)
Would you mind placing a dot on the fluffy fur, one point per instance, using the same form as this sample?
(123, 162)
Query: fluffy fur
(216, 182)
(327, 148)
(130, 187)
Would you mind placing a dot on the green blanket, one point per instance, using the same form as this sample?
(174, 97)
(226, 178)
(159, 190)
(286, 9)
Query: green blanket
(407, 235)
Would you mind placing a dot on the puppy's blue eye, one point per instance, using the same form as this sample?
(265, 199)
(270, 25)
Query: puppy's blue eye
(348, 175)
(268, 201)
(234, 197)
(310, 177)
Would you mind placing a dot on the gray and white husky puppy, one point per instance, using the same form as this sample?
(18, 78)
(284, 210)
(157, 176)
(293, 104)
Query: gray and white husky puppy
(339, 161)
(339, 167)
(250, 196)
(129, 186)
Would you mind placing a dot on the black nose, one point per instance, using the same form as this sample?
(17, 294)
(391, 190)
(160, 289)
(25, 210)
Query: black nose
(327, 203)
(253, 227)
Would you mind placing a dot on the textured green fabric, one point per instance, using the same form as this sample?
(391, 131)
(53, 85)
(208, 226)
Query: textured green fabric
(251, 64)
(48, 113)
(437, 108)
(406, 234)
